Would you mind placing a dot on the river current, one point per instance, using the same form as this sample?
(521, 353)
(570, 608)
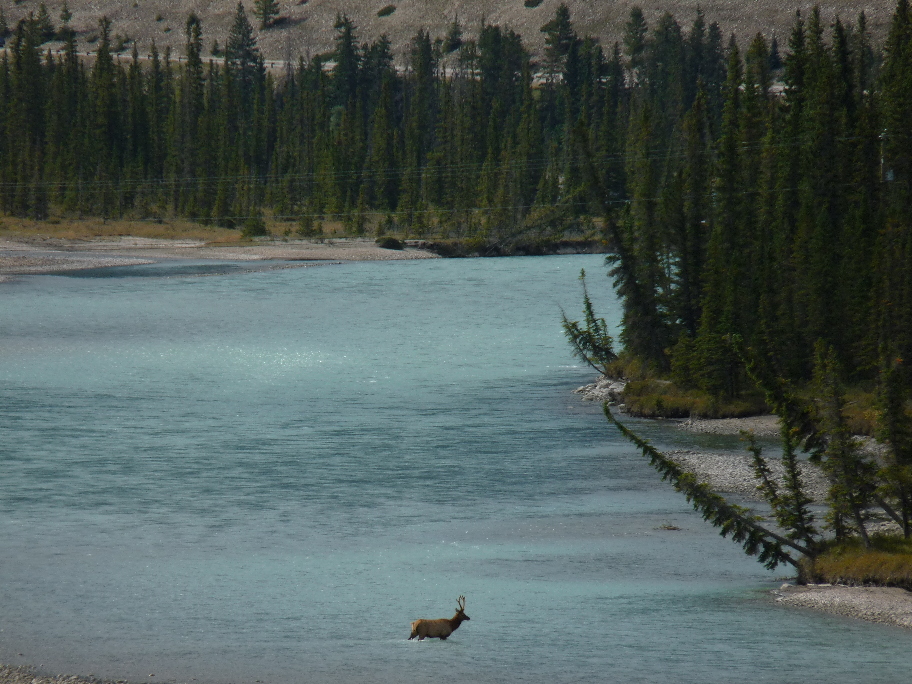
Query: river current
(216, 476)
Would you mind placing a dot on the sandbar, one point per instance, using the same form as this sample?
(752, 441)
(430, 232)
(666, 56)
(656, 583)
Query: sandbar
(55, 255)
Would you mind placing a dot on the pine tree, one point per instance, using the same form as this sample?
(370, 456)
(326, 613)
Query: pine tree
(266, 11)
(851, 475)
(188, 126)
(697, 219)
(560, 38)
(347, 56)
(789, 500)
(635, 31)
(591, 343)
(895, 431)
(106, 128)
(453, 40)
(242, 56)
(43, 24)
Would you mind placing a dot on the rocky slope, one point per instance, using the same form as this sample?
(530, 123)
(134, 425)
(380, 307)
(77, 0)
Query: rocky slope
(306, 26)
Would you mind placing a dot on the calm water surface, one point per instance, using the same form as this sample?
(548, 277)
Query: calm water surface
(267, 476)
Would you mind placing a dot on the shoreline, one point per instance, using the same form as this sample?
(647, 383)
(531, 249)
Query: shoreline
(26, 674)
(20, 257)
(730, 472)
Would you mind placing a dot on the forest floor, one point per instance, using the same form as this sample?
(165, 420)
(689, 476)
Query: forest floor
(33, 249)
(730, 472)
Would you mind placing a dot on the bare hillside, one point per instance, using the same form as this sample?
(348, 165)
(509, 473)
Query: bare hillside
(306, 26)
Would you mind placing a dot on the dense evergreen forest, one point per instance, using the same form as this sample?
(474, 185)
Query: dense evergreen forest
(742, 187)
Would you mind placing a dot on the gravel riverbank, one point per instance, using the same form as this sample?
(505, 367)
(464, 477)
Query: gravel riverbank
(731, 473)
(886, 605)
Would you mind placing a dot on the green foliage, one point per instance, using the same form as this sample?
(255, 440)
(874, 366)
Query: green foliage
(266, 11)
(389, 242)
(591, 342)
(308, 227)
(789, 501)
(654, 398)
(242, 55)
(254, 227)
(894, 422)
(453, 40)
(851, 474)
(43, 24)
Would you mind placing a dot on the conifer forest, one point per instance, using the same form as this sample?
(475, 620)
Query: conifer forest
(742, 187)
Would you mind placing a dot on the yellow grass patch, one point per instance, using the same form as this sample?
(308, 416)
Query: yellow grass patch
(888, 563)
(663, 399)
(96, 228)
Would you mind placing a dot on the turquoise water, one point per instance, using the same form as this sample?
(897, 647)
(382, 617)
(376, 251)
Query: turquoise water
(267, 476)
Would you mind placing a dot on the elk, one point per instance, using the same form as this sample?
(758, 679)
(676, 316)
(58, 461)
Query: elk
(442, 628)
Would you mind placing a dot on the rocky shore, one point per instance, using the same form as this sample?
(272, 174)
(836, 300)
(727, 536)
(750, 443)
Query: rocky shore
(731, 473)
(886, 605)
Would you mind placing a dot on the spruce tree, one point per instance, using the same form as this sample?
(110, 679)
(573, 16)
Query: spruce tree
(266, 11)
(242, 56)
(453, 40)
(635, 31)
(560, 38)
(43, 24)
(347, 55)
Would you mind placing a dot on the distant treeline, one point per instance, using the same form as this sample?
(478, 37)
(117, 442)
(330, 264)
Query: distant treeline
(741, 191)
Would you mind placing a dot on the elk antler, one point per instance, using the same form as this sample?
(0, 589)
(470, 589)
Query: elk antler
(461, 602)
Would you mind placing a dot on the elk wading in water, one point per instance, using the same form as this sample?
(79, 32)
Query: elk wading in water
(442, 628)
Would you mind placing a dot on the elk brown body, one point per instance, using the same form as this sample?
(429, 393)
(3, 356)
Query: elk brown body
(442, 628)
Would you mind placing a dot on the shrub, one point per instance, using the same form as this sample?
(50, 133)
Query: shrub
(532, 4)
(386, 11)
(307, 227)
(254, 227)
(652, 398)
(389, 242)
(120, 43)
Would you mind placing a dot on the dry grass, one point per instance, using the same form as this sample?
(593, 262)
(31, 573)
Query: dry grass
(24, 230)
(860, 413)
(653, 398)
(887, 564)
(307, 29)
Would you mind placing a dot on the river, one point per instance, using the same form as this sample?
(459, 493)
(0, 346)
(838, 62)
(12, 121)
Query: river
(215, 476)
